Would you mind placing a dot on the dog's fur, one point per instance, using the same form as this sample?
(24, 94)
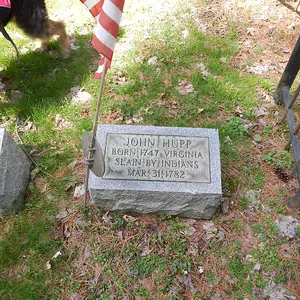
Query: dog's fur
(32, 17)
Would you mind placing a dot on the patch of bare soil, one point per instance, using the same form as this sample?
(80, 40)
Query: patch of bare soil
(267, 34)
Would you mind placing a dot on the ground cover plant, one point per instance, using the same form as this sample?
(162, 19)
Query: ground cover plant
(176, 63)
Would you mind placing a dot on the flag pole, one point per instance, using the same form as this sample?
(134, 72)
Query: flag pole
(89, 159)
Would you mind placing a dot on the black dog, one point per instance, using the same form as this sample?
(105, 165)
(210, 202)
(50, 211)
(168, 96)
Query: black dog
(32, 17)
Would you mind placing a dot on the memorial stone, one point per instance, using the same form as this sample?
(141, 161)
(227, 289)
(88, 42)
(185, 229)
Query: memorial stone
(162, 170)
(14, 175)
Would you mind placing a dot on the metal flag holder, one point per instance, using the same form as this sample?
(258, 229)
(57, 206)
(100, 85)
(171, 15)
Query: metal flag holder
(282, 97)
(93, 154)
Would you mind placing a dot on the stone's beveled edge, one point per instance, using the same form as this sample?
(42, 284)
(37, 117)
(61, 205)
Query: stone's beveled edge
(5, 138)
(174, 203)
(2, 131)
(2, 170)
(185, 187)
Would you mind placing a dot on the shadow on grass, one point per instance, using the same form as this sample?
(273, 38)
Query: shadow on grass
(44, 79)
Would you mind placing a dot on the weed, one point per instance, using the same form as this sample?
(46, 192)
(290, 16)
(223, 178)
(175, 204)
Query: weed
(245, 203)
(280, 159)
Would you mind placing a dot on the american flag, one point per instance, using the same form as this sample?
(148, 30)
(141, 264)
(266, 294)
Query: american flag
(108, 14)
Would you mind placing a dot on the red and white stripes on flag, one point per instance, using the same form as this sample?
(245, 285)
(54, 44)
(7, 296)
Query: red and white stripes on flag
(94, 6)
(108, 14)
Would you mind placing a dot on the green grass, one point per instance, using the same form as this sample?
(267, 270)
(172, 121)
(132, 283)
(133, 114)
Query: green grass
(150, 258)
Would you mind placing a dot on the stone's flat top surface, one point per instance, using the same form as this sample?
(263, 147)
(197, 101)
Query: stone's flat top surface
(157, 157)
(206, 141)
(1, 135)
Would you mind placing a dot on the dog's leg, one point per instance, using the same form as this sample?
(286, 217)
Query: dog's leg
(56, 28)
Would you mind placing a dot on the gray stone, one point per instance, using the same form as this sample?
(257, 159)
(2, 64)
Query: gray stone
(14, 175)
(277, 292)
(159, 170)
(287, 226)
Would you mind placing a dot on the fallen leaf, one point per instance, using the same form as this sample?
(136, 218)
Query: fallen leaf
(119, 78)
(192, 250)
(114, 116)
(163, 96)
(79, 191)
(129, 219)
(188, 231)
(146, 251)
(61, 123)
(67, 232)
(207, 225)
(167, 83)
(106, 218)
(200, 110)
(120, 236)
(185, 87)
(41, 184)
(238, 111)
(72, 164)
(250, 31)
(63, 215)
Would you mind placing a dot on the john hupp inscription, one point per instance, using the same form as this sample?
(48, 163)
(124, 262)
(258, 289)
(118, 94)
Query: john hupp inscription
(157, 157)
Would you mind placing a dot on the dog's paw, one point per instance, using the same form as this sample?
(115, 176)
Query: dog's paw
(40, 48)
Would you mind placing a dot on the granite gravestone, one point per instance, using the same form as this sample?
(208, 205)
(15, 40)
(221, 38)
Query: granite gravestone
(163, 170)
(14, 175)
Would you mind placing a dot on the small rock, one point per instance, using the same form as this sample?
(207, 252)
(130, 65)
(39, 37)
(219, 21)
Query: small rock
(78, 95)
(153, 60)
(34, 172)
(257, 267)
(287, 226)
(225, 205)
(79, 191)
(221, 236)
(260, 111)
(81, 223)
(277, 292)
